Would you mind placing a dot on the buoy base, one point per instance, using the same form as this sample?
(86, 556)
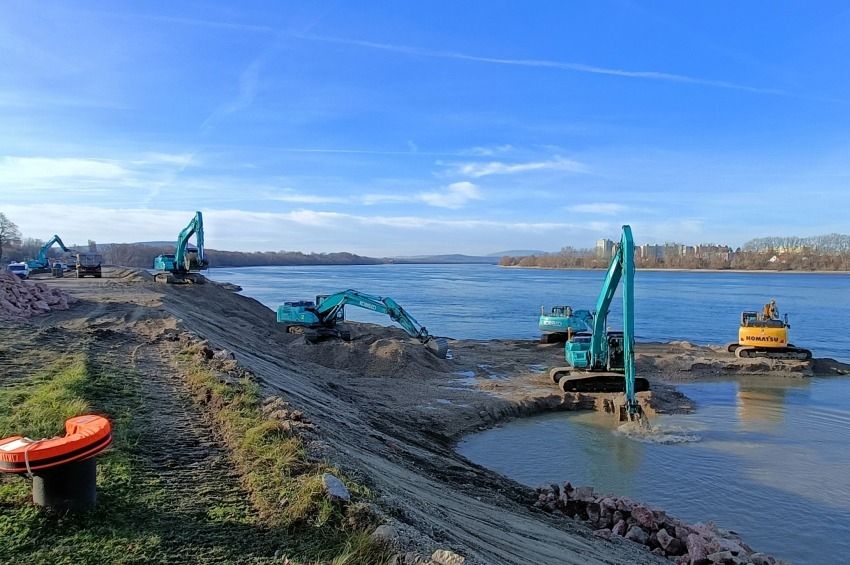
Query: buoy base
(66, 488)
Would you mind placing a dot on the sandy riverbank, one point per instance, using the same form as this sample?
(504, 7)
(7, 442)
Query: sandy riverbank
(389, 413)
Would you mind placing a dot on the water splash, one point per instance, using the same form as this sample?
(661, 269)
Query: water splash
(645, 433)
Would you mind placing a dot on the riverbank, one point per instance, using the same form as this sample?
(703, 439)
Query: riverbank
(380, 408)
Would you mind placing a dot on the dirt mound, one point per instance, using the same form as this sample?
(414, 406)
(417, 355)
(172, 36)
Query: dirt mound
(21, 299)
(373, 351)
(129, 274)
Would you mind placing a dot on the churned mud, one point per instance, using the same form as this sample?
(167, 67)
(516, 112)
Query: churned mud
(389, 413)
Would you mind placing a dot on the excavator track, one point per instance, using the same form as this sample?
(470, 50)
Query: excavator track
(572, 380)
(781, 353)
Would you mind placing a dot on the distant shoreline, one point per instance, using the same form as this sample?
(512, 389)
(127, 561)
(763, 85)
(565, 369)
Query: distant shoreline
(655, 269)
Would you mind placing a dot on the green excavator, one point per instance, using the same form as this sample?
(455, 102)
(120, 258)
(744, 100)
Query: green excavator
(185, 264)
(319, 320)
(603, 360)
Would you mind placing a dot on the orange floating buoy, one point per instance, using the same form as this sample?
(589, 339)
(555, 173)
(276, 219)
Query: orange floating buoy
(85, 437)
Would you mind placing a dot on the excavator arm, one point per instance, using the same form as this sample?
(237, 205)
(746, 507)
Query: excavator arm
(330, 306)
(41, 262)
(182, 258)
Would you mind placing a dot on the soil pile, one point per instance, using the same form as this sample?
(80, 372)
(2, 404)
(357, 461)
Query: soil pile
(21, 299)
(373, 351)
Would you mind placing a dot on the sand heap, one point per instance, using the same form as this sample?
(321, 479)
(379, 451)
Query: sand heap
(701, 544)
(21, 299)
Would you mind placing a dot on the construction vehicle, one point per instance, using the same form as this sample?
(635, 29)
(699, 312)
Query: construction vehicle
(185, 264)
(318, 320)
(603, 360)
(561, 322)
(765, 334)
(57, 271)
(88, 264)
(41, 264)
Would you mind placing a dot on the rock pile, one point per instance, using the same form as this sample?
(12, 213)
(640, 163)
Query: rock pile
(21, 299)
(610, 516)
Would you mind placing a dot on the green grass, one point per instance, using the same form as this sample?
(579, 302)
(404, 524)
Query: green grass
(140, 517)
(285, 485)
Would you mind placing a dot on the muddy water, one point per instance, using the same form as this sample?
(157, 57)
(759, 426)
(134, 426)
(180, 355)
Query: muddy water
(768, 459)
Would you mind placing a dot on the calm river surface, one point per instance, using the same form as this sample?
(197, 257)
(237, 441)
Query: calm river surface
(772, 456)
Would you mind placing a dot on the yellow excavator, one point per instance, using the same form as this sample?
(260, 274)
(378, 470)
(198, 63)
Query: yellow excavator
(765, 334)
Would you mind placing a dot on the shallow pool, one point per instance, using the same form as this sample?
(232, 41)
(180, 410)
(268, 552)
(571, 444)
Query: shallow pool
(768, 459)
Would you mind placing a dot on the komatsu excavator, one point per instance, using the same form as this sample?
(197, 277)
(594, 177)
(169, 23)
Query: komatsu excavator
(765, 334)
(318, 320)
(186, 263)
(603, 360)
(41, 264)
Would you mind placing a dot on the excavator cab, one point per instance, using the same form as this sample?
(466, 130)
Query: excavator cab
(616, 352)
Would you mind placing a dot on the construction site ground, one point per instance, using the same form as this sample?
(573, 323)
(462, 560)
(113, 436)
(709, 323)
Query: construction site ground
(385, 411)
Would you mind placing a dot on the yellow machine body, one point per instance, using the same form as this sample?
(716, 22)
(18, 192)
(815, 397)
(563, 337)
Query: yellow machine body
(768, 337)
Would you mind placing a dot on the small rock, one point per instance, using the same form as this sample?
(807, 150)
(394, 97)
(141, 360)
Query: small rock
(607, 504)
(604, 533)
(722, 558)
(637, 534)
(385, 534)
(584, 494)
(730, 546)
(413, 558)
(593, 512)
(446, 557)
(762, 559)
(676, 547)
(697, 550)
(335, 489)
(664, 538)
(619, 528)
(658, 551)
(644, 517)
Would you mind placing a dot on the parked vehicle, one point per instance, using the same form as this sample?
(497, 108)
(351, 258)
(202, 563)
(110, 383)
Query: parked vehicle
(20, 269)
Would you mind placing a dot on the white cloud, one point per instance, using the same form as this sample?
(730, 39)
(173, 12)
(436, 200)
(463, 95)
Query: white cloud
(23, 169)
(291, 196)
(478, 170)
(602, 208)
(456, 195)
(489, 151)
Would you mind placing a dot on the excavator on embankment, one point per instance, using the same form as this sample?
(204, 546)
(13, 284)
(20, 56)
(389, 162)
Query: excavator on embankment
(185, 264)
(603, 360)
(765, 334)
(558, 325)
(41, 264)
(318, 320)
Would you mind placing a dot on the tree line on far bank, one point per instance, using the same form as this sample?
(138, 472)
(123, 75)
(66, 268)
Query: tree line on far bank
(769, 260)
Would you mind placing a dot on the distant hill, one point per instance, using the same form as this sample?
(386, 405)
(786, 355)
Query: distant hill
(518, 253)
(455, 258)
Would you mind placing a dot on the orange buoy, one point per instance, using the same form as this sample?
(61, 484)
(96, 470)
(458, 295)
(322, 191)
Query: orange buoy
(63, 469)
(85, 437)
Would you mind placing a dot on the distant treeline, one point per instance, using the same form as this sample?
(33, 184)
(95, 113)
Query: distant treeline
(136, 255)
(740, 260)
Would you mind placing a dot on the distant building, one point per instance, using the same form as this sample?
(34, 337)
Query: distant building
(604, 248)
(651, 252)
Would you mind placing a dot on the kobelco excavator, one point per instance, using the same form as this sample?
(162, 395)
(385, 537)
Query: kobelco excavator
(560, 323)
(603, 360)
(318, 320)
(41, 264)
(186, 263)
(765, 334)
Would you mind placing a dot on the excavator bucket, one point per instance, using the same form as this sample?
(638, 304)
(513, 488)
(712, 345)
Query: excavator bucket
(439, 346)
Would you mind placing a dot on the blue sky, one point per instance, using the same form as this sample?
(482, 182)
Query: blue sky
(396, 128)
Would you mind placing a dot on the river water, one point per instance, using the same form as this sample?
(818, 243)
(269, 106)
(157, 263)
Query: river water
(770, 457)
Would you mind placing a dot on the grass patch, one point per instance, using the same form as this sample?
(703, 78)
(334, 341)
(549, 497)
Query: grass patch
(285, 485)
